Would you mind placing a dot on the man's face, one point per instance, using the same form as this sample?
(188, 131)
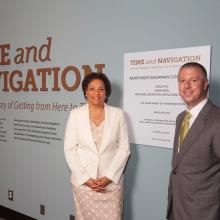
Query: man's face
(192, 86)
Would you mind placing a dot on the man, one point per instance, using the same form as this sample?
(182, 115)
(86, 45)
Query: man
(194, 188)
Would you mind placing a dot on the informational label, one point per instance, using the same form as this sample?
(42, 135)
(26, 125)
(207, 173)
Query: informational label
(43, 132)
(151, 99)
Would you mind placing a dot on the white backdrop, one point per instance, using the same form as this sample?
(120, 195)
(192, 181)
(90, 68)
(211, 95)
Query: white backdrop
(150, 84)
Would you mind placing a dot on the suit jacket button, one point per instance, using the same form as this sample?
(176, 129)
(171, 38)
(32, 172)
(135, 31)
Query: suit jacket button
(174, 172)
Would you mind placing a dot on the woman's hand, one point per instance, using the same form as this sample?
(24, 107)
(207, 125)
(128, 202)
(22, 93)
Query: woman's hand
(98, 185)
(94, 185)
(91, 183)
(103, 181)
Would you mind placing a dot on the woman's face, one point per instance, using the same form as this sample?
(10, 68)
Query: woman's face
(96, 93)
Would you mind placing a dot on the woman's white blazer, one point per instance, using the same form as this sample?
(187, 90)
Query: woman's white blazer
(82, 156)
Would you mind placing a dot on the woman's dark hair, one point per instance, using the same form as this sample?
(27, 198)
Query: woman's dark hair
(100, 76)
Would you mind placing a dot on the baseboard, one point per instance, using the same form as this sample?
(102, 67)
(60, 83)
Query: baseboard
(10, 214)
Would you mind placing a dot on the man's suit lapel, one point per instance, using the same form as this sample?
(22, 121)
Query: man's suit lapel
(176, 139)
(194, 132)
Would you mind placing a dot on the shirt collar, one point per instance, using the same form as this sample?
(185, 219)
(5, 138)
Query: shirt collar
(196, 109)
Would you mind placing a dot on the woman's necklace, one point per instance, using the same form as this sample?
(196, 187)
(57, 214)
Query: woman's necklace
(97, 116)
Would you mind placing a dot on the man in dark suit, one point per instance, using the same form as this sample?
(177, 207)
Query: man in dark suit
(194, 187)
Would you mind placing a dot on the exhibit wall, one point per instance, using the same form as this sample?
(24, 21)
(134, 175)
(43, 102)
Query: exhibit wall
(46, 49)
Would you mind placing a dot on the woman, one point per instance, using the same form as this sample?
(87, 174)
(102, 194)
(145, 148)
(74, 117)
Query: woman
(96, 149)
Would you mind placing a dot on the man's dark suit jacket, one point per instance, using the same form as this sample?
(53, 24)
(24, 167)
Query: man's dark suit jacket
(194, 187)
